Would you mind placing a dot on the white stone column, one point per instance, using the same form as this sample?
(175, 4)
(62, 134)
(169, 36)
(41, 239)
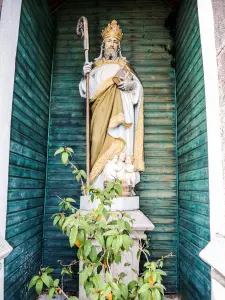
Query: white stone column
(140, 225)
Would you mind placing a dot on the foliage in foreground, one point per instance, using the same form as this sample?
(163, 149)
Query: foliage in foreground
(112, 231)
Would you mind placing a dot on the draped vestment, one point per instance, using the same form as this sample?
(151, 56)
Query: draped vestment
(116, 117)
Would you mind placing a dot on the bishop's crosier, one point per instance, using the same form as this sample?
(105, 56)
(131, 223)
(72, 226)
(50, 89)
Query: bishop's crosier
(116, 97)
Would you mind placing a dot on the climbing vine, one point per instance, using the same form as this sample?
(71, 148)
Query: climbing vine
(112, 231)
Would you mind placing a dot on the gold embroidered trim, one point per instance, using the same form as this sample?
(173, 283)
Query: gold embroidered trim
(128, 125)
(139, 140)
(116, 120)
(120, 61)
(116, 147)
(107, 83)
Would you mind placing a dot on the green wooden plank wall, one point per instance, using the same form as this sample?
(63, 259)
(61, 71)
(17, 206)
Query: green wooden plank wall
(28, 148)
(145, 40)
(193, 196)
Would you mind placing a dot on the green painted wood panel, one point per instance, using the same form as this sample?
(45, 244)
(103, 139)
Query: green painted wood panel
(145, 39)
(193, 196)
(28, 148)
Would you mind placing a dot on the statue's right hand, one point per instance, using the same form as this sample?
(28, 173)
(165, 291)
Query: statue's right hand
(87, 68)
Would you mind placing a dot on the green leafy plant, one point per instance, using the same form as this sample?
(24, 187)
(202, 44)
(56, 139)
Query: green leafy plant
(112, 232)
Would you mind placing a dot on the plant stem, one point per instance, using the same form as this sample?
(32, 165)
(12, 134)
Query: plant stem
(108, 264)
(82, 182)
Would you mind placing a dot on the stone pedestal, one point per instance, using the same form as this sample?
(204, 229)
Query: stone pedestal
(119, 203)
(141, 223)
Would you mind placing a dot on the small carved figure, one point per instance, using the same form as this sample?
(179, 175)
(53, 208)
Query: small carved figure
(110, 170)
(121, 173)
(130, 173)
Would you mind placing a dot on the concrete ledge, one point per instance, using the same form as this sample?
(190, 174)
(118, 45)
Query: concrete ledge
(213, 255)
(141, 222)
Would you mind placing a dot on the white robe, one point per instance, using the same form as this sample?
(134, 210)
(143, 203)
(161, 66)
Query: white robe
(131, 101)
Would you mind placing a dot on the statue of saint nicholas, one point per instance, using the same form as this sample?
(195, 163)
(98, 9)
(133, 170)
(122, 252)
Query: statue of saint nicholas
(116, 98)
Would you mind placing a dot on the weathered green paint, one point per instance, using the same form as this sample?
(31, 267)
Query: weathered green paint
(194, 234)
(28, 148)
(144, 38)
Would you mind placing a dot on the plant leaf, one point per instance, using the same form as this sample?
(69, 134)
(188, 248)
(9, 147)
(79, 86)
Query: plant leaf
(45, 279)
(96, 280)
(161, 272)
(118, 189)
(109, 241)
(93, 254)
(111, 232)
(65, 157)
(60, 150)
(49, 270)
(51, 292)
(156, 294)
(118, 258)
(145, 287)
(109, 186)
(56, 283)
(124, 290)
(132, 284)
(122, 275)
(83, 276)
(39, 286)
(87, 248)
(154, 277)
(73, 236)
(99, 238)
(83, 174)
(68, 149)
(108, 277)
(56, 219)
(127, 242)
(88, 286)
(121, 224)
(70, 200)
(33, 282)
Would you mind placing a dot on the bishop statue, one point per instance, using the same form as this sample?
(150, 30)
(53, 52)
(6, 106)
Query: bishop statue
(116, 99)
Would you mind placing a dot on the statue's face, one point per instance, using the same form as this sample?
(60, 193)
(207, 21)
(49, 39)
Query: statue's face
(111, 43)
(111, 47)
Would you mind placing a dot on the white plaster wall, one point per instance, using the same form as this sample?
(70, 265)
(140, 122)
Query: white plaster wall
(9, 28)
(218, 7)
(213, 253)
(216, 187)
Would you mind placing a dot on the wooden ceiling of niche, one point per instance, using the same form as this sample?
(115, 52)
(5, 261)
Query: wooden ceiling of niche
(56, 4)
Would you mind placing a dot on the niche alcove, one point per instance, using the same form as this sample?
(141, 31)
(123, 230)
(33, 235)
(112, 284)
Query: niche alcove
(162, 43)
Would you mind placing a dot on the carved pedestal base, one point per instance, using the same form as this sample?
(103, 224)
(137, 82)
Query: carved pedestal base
(140, 224)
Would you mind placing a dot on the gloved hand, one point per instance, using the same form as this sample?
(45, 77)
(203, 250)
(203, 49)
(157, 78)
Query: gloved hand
(127, 85)
(87, 68)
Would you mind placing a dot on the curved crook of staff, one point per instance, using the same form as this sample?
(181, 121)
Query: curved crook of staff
(82, 32)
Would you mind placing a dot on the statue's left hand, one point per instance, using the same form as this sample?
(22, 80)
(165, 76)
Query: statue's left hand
(127, 85)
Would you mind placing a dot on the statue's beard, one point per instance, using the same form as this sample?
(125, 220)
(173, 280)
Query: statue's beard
(110, 54)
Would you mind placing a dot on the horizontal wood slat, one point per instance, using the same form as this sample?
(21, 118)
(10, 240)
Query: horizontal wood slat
(193, 196)
(28, 148)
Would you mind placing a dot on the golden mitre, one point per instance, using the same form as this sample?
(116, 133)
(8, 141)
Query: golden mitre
(112, 30)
